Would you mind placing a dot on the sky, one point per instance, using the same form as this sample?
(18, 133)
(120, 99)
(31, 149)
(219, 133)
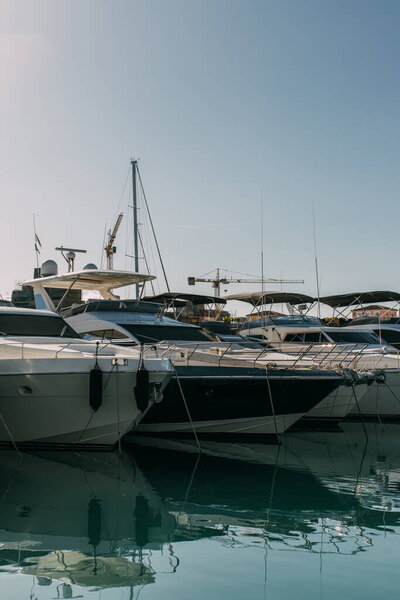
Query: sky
(227, 105)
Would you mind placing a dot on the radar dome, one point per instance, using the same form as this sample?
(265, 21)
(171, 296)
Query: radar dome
(89, 266)
(49, 267)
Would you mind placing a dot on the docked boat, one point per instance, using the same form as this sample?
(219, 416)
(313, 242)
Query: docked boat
(59, 390)
(237, 400)
(356, 347)
(382, 401)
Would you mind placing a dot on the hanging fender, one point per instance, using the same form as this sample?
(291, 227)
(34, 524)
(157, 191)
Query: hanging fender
(96, 388)
(142, 388)
(94, 522)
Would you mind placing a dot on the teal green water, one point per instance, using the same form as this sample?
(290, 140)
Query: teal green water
(316, 518)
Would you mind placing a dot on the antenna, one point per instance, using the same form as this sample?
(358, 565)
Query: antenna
(262, 249)
(316, 262)
(70, 256)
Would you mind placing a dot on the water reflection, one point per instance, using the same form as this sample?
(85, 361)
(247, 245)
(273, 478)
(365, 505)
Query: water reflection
(88, 522)
(316, 492)
(80, 519)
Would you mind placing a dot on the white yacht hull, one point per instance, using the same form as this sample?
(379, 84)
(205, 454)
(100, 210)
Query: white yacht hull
(381, 399)
(339, 403)
(46, 401)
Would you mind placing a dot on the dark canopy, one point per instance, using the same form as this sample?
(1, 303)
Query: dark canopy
(357, 298)
(180, 299)
(260, 298)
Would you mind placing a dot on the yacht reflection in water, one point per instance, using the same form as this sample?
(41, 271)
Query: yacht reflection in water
(80, 519)
(322, 493)
(103, 521)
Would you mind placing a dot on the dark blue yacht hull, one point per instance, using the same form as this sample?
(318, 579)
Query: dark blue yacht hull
(239, 402)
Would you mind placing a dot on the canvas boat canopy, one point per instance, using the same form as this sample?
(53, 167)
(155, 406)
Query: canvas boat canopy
(180, 299)
(91, 279)
(261, 298)
(359, 298)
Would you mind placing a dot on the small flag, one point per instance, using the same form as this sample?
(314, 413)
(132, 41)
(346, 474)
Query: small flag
(37, 242)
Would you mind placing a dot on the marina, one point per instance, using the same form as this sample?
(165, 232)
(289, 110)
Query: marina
(199, 304)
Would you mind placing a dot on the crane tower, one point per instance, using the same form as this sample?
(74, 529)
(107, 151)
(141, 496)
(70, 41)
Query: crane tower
(110, 248)
(218, 280)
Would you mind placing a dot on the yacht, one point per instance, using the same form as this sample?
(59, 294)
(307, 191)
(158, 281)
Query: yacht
(382, 401)
(357, 347)
(215, 399)
(59, 390)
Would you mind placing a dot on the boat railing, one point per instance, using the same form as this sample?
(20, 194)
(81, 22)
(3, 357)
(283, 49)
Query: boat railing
(333, 357)
(28, 349)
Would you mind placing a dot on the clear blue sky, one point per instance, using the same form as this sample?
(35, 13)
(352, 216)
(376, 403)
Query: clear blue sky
(219, 99)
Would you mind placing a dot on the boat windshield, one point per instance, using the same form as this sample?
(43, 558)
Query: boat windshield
(157, 333)
(353, 337)
(35, 325)
(284, 320)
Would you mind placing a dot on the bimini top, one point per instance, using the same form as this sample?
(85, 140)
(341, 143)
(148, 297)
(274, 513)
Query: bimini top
(354, 298)
(180, 299)
(261, 298)
(91, 279)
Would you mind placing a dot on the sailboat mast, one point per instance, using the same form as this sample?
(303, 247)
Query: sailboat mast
(262, 255)
(135, 223)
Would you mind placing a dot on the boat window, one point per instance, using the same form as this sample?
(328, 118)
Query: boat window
(313, 336)
(216, 326)
(353, 337)
(390, 336)
(294, 337)
(294, 320)
(253, 323)
(108, 334)
(157, 333)
(35, 325)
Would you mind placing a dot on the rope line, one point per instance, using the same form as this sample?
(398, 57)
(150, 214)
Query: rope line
(186, 407)
(152, 228)
(11, 437)
(359, 411)
(272, 404)
(118, 419)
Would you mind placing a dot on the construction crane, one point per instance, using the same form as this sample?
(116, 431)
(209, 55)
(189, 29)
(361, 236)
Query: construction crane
(218, 280)
(110, 248)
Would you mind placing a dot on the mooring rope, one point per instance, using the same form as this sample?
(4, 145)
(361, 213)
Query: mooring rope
(11, 437)
(272, 404)
(186, 407)
(119, 430)
(359, 410)
(391, 391)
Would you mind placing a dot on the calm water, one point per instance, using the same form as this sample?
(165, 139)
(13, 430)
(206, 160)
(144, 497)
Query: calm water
(317, 517)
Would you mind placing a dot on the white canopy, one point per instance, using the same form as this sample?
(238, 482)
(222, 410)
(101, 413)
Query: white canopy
(91, 279)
